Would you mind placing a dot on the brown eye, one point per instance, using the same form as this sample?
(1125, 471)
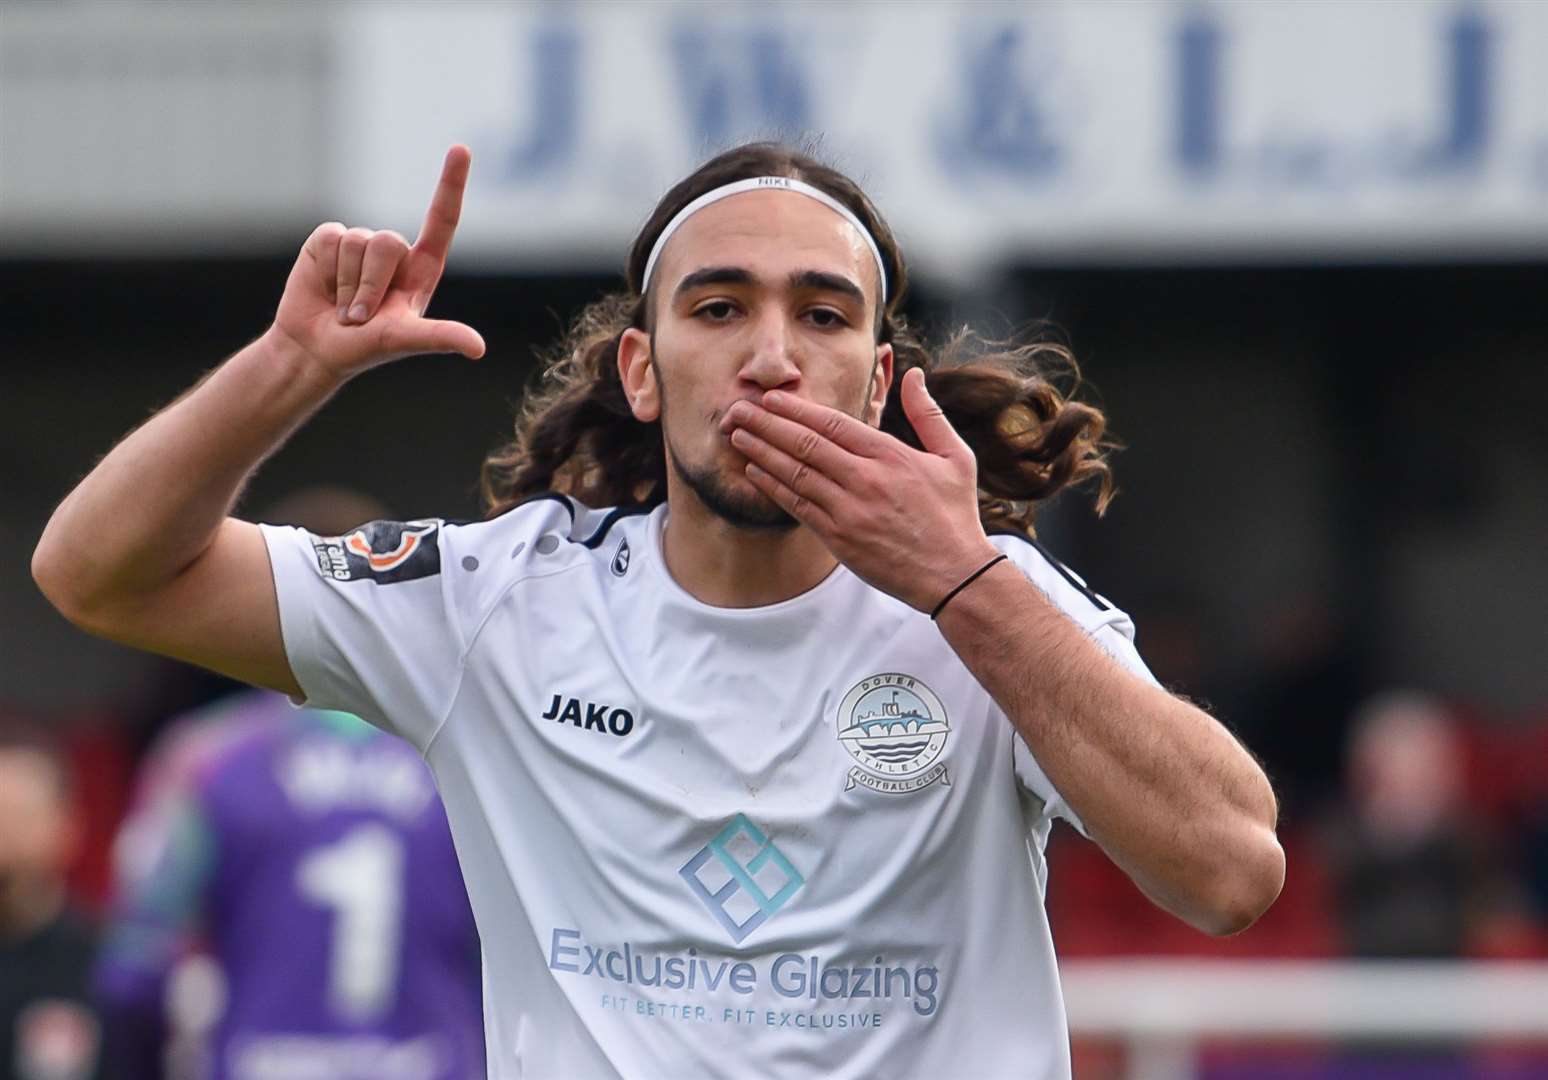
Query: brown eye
(826, 318)
(716, 311)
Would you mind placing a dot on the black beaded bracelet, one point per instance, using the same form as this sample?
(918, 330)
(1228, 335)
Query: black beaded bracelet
(974, 576)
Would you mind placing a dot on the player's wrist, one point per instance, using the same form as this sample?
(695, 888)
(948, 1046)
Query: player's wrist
(282, 351)
(967, 582)
(954, 571)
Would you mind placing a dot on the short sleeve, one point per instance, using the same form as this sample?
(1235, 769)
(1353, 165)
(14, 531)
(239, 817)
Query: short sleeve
(368, 622)
(1106, 624)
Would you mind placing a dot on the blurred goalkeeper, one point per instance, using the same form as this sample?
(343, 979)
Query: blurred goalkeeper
(753, 701)
(307, 854)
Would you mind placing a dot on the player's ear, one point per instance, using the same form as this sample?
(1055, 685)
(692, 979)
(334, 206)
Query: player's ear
(637, 372)
(881, 383)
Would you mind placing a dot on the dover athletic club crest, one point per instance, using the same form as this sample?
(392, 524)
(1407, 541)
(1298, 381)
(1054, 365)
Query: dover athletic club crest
(896, 728)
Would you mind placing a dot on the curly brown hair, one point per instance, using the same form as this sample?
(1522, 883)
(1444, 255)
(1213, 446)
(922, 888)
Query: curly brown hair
(576, 434)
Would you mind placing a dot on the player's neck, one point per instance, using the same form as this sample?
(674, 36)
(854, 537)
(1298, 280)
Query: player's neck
(721, 564)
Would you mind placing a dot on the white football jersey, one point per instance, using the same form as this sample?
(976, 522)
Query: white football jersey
(797, 840)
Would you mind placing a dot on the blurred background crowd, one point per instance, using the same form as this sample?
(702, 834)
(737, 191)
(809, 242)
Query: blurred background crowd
(1301, 252)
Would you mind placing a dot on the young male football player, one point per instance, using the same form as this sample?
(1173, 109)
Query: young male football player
(753, 701)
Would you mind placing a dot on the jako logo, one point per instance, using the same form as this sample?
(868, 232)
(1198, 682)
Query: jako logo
(741, 877)
(598, 716)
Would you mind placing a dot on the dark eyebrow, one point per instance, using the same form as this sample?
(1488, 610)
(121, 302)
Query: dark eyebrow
(821, 279)
(800, 279)
(715, 275)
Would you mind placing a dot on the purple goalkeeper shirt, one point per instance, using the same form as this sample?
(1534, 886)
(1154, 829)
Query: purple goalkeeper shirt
(311, 856)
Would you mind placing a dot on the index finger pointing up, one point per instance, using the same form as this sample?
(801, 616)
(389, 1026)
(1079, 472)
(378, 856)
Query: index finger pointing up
(435, 237)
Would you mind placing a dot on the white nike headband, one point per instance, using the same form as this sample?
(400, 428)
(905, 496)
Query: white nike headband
(755, 183)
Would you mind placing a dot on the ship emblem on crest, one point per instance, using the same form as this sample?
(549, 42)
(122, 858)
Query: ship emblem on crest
(896, 728)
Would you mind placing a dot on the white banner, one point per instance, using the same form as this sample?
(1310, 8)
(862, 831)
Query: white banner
(987, 133)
